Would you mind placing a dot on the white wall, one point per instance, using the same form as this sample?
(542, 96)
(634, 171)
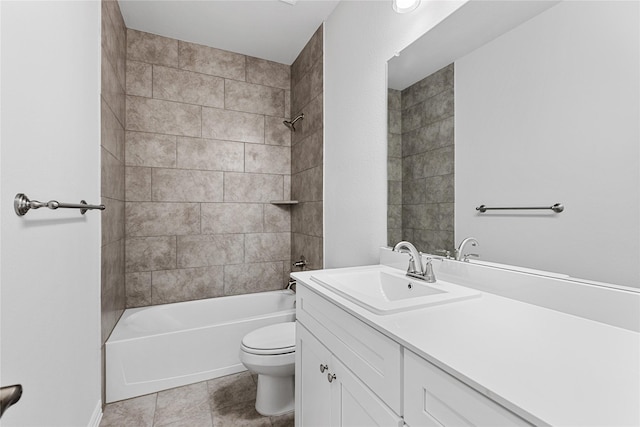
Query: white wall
(360, 36)
(549, 113)
(50, 277)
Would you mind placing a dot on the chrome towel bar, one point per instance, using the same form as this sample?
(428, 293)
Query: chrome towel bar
(557, 208)
(22, 204)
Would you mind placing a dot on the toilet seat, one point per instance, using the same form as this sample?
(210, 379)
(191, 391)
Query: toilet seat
(274, 339)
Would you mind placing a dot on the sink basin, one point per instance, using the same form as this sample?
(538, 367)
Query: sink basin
(385, 290)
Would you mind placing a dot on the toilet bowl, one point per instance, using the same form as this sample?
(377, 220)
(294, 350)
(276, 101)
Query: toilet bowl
(270, 353)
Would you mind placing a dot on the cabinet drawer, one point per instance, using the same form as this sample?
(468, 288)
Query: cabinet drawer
(371, 356)
(434, 398)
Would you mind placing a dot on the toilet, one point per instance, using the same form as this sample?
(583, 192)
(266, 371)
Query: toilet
(270, 352)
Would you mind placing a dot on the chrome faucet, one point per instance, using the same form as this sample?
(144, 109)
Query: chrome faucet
(415, 269)
(460, 255)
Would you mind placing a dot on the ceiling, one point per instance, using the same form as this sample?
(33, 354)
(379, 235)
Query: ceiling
(267, 29)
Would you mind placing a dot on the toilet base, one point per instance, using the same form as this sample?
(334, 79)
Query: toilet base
(275, 395)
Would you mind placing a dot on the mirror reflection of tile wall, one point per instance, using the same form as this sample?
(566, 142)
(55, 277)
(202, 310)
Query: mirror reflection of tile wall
(421, 163)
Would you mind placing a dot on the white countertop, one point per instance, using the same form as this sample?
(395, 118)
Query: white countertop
(546, 366)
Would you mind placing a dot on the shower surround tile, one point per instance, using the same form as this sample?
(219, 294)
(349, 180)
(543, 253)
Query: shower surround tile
(112, 176)
(210, 154)
(138, 286)
(206, 151)
(232, 125)
(114, 36)
(158, 116)
(267, 159)
(257, 188)
(309, 55)
(138, 184)
(139, 79)
(150, 253)
(209, 60)
(267, 247)
(277, 218)
(189, 87)
(310, 247)
(307, 153)
(307, 219)
(180, 185)
(152, 49)
(210, 249)
(161, 219)
(112, 180)
(433, 109)
(112, 89)
(255, 277)
(112, 220)
(221, 218)
(169, 286)
(275, 132)
(312, 122)
(428, 87)
(268, 73)
(435, 135)
(111, 132)
(150, 149)
(306, 186)
(252, 98)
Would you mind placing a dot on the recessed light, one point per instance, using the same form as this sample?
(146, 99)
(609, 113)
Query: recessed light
(404, 6)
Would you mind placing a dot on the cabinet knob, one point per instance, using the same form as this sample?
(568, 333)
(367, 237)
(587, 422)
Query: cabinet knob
(331, 377)
(323, 367)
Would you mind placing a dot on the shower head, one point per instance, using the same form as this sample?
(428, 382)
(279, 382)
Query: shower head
(290, 124)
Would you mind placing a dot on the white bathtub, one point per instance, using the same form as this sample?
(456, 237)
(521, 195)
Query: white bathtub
(164, 346)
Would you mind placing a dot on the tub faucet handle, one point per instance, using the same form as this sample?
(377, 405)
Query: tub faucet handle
(301, 263)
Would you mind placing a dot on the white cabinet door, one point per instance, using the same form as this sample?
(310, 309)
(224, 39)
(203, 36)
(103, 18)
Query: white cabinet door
(434, 398)
(313, 392)
(328, 394)
(354, 405)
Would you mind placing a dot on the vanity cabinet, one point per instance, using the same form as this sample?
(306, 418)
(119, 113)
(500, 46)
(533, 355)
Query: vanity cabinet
(331, 395)
(347, 373)
(350, 374)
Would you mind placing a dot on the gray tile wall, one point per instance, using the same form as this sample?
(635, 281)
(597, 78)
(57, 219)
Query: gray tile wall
(427, 127)
(205, 153)
(112, 165)
(112, 153)
(394, 167)
(307, 153)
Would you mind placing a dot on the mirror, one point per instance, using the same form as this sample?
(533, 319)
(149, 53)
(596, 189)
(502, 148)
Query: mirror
(521, 104)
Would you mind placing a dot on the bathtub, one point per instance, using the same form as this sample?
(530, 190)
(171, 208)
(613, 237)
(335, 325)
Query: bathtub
(164, 346)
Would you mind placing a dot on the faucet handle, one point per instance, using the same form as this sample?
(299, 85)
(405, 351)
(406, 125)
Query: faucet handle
(465, 257)
(445, 253)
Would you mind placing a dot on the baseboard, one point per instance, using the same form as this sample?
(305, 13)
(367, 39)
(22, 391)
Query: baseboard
(96, 417)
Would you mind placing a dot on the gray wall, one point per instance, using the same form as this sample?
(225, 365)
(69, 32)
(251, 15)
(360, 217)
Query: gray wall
(112, 164)
(307, 153)
(427, 128)
(206, 151)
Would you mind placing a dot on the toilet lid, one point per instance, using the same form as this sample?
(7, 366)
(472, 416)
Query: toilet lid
(273, 339)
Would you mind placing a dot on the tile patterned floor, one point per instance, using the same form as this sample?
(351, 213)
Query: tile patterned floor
(222, 402)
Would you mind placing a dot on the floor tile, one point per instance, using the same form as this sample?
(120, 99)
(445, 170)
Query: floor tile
(188, 406)
(240, 415)
(286, 420)
(137, 412)
(231, 390)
